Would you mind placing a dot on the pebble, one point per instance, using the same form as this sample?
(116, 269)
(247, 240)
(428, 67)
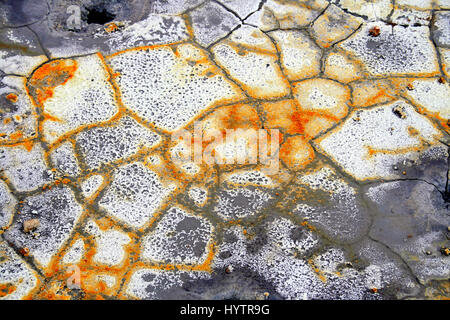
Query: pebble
(30, 225)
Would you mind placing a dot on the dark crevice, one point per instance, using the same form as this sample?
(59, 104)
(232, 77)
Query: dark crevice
(99, 16)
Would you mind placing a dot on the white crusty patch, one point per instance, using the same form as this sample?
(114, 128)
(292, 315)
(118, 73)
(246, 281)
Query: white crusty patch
(390, 137)
(134, 195)
(15, 272)
(91, 185)
(431, 95)
(25, 169)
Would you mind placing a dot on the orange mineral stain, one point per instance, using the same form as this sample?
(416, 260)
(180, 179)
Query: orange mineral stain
(111, 27)
(49, 76)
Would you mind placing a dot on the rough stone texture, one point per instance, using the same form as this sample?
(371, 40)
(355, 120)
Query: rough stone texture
(114, 166)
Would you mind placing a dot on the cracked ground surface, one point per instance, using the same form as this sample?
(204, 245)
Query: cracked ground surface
(359, 208)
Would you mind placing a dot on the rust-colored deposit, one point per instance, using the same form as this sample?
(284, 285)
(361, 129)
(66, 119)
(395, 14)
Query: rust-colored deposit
(49, 76)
